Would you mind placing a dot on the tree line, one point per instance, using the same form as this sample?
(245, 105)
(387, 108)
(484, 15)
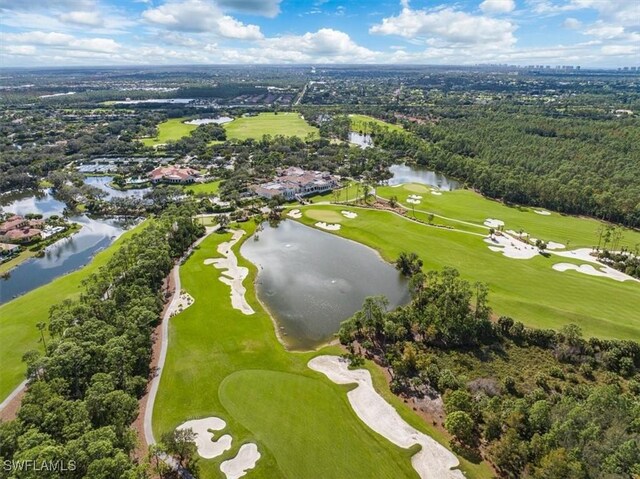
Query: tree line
(85, 381)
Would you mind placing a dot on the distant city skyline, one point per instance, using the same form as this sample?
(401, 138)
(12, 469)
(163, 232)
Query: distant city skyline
(586, 33)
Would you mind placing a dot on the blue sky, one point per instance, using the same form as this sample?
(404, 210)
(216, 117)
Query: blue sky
(598, 33)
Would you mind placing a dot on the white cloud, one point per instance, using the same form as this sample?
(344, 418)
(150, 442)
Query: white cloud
(200, 16)
(572, 23)
(27, 50)
(449, 26)
(84, 18)
(498, 6)
(63, 41)
(267, 8)
(605, 31)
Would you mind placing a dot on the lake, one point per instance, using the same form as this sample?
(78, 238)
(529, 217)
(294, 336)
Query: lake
(416, 174)
(102, 182)
(221, 120)
(311, 281)
(63, 256)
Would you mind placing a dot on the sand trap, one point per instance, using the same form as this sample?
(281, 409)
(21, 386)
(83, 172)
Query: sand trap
(415, 202)
(234, 274)
(246, 459)
(584, 254)
(397, 186)
(433, 461)
(604, 271)
(207, 448)
(437, 193)
(182, 302)
(511, 247)
(493, 223)
(295, 214)
(349, 214)
(415, 197)
(542, 212)
(327, 226)
(554, 245)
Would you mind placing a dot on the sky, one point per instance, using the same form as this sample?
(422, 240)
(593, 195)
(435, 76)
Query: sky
(589, 33)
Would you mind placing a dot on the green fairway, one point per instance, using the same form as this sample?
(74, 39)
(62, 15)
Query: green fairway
(528, 290)
(210, 188)
(18, 318)
(285, 124)
(361, 123)
(467, 206)
(223, 363)
(170, 130)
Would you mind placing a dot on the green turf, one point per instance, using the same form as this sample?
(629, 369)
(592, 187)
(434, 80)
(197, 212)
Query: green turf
(361, 123)
(223, 363)
(325, 215)
(286, 124)
(528, 290)
(468, 206)
(170, 130)
(18, 318)
(210, 188)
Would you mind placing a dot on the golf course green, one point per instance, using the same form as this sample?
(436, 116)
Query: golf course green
(19, 317)
(221, 362)
(528, 290)
(361, 123)
(283, 123)
(170, 130)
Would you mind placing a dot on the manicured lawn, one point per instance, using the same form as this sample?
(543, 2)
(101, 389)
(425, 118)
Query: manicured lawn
(18, 318)
(286, 124)
(468, 206)
(528, 290)
(16, 260)
(210, 188)
(223, 363)
(360, 123)
(170, 130)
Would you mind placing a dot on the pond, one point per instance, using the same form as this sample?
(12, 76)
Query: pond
(362, 140)
(311, 281)
(206, 121)
(416, 174)
(62, 257)
(102, 182)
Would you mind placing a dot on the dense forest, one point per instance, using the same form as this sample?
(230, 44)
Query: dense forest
(535, 403)
(85, 384)
(568, 163)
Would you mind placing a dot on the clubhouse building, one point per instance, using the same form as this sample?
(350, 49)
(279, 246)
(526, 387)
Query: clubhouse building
(173, 175)
(295, 182)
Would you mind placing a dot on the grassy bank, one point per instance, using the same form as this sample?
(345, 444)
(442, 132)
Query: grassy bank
(18, 318)
(210, 188)
(361, 123)
(223, 363)
(285, 124)
(528, 290)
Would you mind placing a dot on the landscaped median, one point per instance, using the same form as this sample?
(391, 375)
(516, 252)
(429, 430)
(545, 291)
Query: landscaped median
(19, 317)
(225, 364)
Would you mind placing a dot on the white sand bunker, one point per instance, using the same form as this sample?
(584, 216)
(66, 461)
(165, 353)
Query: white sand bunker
(554, 245)
(604, 271)
(437, 193)
(493, 223)
(328, 226)
(584, 254)
(433, 461)
(234, 274)
(349, 214)
(542, 212)
(415, 197)
(415, 202)
(182, 302)
(511, 247)
(397, 186)
(207, 448)
(246, 459)
(295, 214)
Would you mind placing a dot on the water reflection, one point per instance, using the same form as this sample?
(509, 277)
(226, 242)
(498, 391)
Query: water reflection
(102, 182)
(311, 281)
(415, 174)
(362, 140)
